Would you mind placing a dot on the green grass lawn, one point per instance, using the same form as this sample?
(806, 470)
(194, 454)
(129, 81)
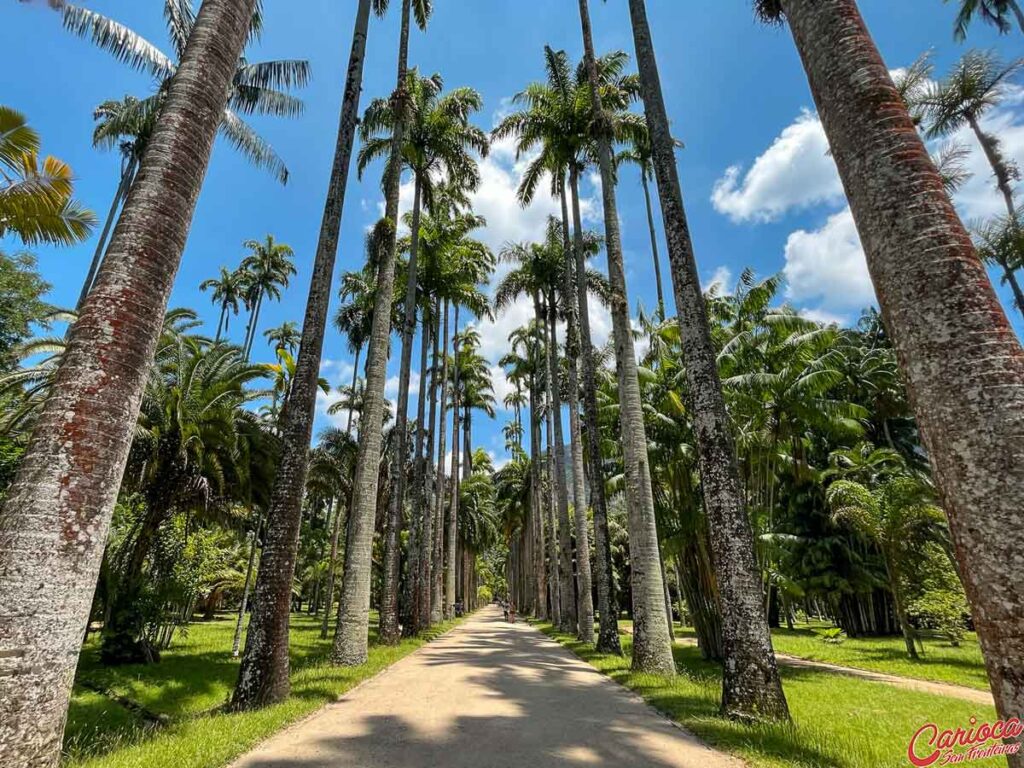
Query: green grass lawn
(941, 662)
(190, 686)
(841, 722)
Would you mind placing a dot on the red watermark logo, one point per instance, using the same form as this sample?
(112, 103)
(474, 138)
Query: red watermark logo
(932, 746)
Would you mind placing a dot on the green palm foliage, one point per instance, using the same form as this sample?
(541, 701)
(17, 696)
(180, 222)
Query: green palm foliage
(227, 290)
(257, 88)
(266, 271)
(36, 194)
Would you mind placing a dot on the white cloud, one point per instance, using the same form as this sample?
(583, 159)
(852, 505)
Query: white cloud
(824, 316)
(391, 386)
(502, 386)
(978, 198)
(827, 265)
(796, 171)
(721, 279)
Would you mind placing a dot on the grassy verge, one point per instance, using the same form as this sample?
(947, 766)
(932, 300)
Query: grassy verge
(941, 662)
(190, 686)
(841, 722)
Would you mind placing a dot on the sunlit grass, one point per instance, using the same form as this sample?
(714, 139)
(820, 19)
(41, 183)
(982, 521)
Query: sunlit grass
(190, 686)
(839, 721)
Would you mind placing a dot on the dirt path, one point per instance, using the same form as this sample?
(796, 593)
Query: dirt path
(487, 695)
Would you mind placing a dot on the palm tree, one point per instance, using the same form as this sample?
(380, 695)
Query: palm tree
(67, 483)
(263, 677)
(938, 305)
(640, 155)
(350, 646)
(259, 88)
(977, 84)
(556, 119)
(652, 646)
(899, 517)
(228, 291)
(186, 444)
(437, 143)
(285, 337)
(994, 12)
(265, 271)
(36, 202)
(750, 687)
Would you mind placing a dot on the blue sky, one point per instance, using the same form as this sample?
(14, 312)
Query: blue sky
(759, 186)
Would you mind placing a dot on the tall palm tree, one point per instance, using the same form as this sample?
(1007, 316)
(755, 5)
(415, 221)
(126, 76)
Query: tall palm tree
(54, 519)
(652, 646)
(285, 337)
(350, 646)
(263, 677)
(36, 202)
(640, 155)
(977, 84)
(256, 88)
(555, 119)
(437, 144)
(228, 291)
(994, 12)
(751, 687)
(938, 305)
(265, 271)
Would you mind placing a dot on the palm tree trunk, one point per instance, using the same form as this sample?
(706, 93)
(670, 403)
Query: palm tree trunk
(1003, 182)
(331, 568)
(236, 643)
(254, 319)
(55, 517)
(390, 633)
(654, 243)
(585, 599)
(652, 647)
(567, 595)
(355, 383)
(263, 677)
(127, 177)
(426, 574)
(350, 646)
(536, 515)
(551, 502)
(220, 321)
(419, 544)
(938, 304)
(437, 613)
(608, 612)
(453, 509)
(751, 688)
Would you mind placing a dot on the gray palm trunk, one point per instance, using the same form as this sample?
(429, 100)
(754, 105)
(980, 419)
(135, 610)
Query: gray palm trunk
(536, 504)
(390, 632)
(654, 243)
(264, 675)
(551, 501)
(125, 184)
(939, 306)
(428, 546)
(585, 598)
(332, 566)
(652, 646)
(250, 330)
(437, 582)
(54, 520)
(751, 688)
(1004, 177)
(352, 637)
(417, 538)
(236, 642)
(452, 521)
(566, 586)
(607, 610)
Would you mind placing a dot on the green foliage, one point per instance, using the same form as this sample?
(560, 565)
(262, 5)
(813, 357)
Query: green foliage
(833, 635)
(21, 302)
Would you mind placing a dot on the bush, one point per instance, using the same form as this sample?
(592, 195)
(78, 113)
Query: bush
(941, 610)
(833, 635)
(484, 594)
